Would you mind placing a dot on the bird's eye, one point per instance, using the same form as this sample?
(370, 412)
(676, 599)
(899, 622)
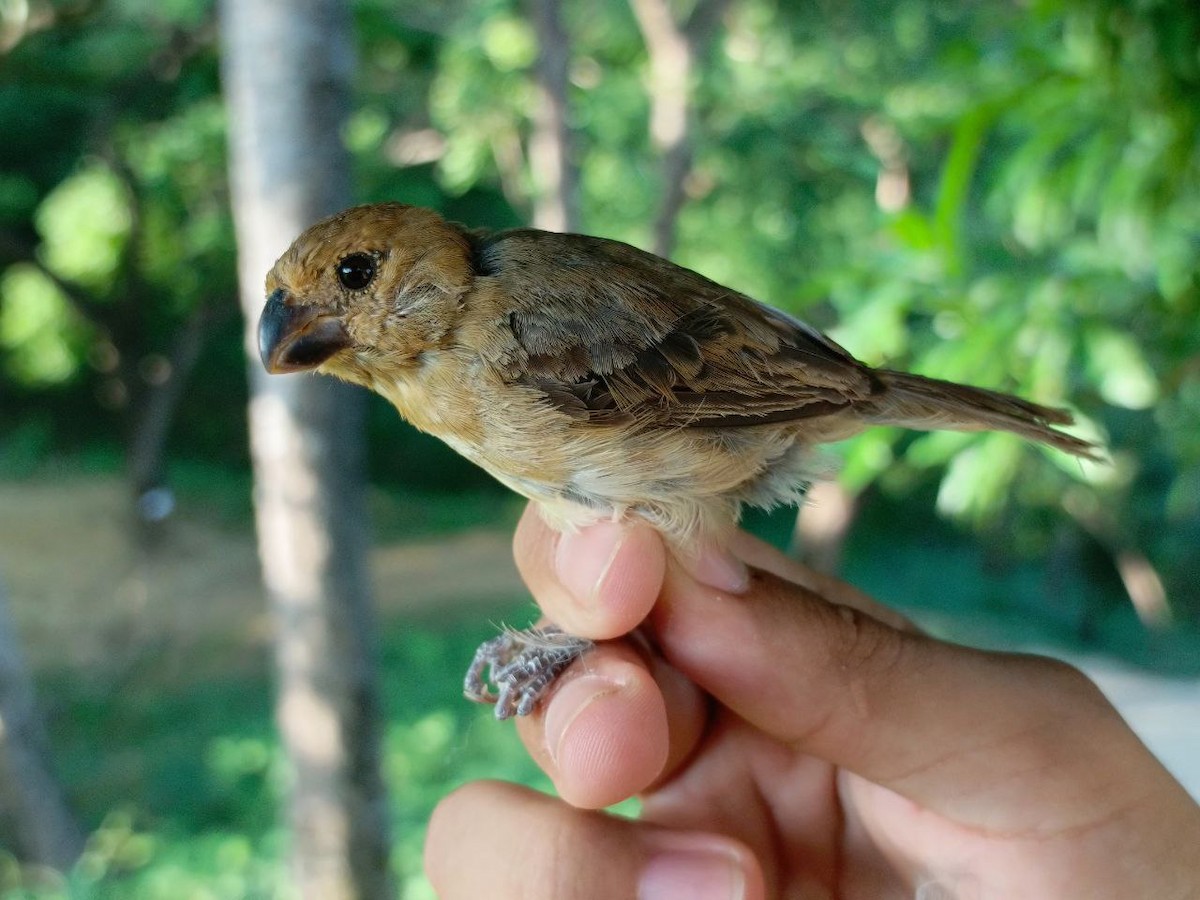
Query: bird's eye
(356, 271)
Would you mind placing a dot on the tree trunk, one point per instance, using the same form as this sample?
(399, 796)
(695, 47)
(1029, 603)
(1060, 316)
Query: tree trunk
(552, 143)
(287, 66)
(823, 525)
(674, 50)
(150, 426)
(32, 808)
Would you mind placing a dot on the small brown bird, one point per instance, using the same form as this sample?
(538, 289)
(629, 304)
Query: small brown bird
(594, 378)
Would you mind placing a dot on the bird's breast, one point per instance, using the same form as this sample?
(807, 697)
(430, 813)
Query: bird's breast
(500, 426)
(684, 481)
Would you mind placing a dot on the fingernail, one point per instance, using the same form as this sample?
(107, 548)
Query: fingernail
(703, 873)
(569, 701)
(583, 557)
(717, 567)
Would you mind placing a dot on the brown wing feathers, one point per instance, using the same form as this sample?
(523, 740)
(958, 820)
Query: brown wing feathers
(698, 355)
(643, 340)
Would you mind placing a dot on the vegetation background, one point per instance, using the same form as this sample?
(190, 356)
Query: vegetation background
(1003, 193)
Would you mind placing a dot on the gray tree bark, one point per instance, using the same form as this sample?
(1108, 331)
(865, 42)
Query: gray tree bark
(287, 66)
(674, 50)
(552, 151)
(32, 807)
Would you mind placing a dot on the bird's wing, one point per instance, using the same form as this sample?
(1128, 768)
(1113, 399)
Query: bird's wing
(612, 334)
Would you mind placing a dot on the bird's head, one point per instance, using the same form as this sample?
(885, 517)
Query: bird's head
(362, 294)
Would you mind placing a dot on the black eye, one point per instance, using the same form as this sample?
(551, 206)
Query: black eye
(356, 271)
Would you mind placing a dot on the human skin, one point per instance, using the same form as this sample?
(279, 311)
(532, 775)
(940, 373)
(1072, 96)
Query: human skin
(790, 738)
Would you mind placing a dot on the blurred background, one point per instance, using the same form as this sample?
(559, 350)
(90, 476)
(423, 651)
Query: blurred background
(1002, 193)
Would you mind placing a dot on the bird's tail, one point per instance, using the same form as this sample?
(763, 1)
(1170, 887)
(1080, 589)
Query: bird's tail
(928, 404)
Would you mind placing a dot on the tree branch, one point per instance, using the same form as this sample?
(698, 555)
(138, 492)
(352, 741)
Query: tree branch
(674, 50)
(47, 832)
(152, 424)
(1139, 577)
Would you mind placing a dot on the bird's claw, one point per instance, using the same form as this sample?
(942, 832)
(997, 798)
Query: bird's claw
(522, 665)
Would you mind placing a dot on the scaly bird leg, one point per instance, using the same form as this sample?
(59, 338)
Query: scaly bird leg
(523, 666)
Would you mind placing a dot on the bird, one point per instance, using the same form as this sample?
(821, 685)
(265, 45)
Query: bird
(596, 379)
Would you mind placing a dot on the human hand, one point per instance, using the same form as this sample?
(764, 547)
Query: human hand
(791, 738)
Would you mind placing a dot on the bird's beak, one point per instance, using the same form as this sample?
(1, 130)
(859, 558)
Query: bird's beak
(297, 337)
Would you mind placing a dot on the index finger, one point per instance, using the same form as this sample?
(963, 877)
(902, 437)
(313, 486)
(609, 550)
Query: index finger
(981, 737)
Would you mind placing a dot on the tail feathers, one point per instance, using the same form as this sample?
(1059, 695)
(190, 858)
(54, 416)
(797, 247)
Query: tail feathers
(927, 404)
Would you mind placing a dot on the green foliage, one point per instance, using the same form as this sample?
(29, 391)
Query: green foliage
(1005, 194)
(84, 224)
(42, 338)
(996, 193)
(180, 781)
(1000, 193)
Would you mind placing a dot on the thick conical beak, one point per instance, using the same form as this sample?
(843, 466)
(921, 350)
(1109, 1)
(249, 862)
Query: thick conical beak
(297, 337)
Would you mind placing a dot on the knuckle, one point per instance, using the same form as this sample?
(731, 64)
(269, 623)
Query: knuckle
(439, 841)
(867, 662)
(864, 648)
(544, 849)
(1067, 684)
(557, 870)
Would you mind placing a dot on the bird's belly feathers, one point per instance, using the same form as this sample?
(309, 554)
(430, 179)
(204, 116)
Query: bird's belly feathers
(688, 483)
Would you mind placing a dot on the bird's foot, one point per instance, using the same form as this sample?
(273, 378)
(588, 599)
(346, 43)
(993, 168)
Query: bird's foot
(523, 666)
